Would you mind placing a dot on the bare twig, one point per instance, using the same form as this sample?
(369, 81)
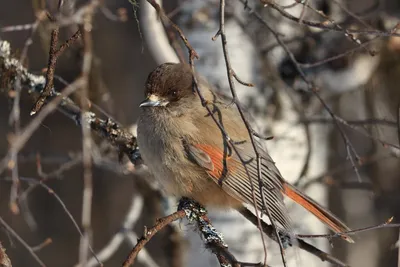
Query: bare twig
(149, 233)
(15, 117)
(22, 241)
(350, 150)
(387, 224)
(21, 27)
(322, 25)
(334, 24)
(126, 233)
(356, 126)
(64, 207)
(54, 54)
(362, 122)
(51, 65)
(86, 143)
(268, 230)
(20, 140)
(122, 139)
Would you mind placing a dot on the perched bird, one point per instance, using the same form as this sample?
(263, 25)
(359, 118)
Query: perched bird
(383, 93)
(188, 153)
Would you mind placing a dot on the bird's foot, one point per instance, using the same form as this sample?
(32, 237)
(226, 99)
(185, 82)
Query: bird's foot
(192, 209)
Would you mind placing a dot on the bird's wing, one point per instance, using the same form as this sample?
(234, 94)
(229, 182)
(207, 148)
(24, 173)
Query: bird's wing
(235, 169)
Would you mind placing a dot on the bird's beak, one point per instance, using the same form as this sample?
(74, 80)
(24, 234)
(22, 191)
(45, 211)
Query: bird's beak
(153, 101)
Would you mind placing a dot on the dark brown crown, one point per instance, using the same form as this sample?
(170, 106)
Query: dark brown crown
(171, 81)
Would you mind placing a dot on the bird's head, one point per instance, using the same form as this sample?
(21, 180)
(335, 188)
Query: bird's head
(169, 88)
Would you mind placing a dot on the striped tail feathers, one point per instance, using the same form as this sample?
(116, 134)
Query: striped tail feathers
(317, 210)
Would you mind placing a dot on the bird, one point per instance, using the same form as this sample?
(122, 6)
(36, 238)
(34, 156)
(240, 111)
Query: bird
(383, 94)
(207, 155)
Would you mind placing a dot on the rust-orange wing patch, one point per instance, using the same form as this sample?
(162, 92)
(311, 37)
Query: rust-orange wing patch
(222, 162)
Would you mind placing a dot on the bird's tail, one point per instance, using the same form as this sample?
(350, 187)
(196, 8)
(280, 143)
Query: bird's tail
(320, 212)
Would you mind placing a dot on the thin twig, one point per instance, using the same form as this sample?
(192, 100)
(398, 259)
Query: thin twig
(351, 151)
(269, 231)
(54, 54)
(108, 129)
(59, 200)
(387, 224)
(149, 233)
(321, 25)
(86, 143)
(134, 212)
(51, 67)
(22, 241)
(26, 133)
(15, 117)
(326, 177)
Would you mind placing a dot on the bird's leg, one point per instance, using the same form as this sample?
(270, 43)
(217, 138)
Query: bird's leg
(192, 209)
(286, 240)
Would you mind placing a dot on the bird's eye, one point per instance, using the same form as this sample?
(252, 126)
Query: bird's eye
(173, 93)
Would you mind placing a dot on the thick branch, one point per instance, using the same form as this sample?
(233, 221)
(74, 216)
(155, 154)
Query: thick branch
(108, 129)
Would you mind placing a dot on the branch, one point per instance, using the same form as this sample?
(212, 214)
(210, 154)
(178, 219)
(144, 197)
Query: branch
(149, 233)
(11, 68)
(4, 259)
(196, 214)
(54, 53)
(350, 150)
(22, 241)
(133, 214)
(154, 34)
(322, 25)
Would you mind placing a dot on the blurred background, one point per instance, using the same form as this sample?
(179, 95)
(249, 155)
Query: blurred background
(349, 165)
